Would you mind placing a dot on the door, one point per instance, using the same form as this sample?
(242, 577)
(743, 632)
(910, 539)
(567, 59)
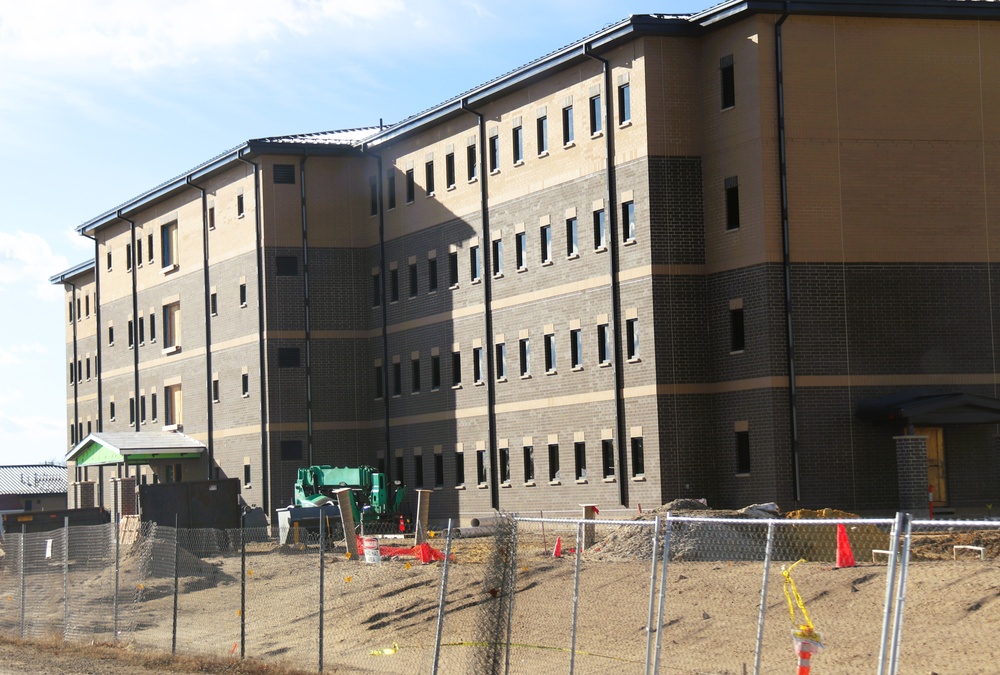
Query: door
(936, 476)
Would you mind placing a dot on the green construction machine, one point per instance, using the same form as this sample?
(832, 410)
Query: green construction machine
(373, 499)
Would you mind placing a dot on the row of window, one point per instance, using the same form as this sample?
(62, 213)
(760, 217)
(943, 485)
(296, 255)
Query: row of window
(82, 308)
(172, 408)
(494, 149)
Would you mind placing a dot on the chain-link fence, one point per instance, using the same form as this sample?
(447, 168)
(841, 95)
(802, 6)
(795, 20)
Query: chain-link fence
(660, 594)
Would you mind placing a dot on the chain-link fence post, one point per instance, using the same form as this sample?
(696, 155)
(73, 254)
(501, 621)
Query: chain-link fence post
(243, 589)
(511, 577)
(24, 535)
(904, 566)
(889, 584)
(763, 598)
(173, 638)
(663, 593)
(322, 545)
(441, 598)
(118, 559)
(65, 577)
(652, 594)
(576, 596)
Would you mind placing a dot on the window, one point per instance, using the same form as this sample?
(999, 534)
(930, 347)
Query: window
(111, 335)
(168, 244)
(415, 375)
(413, 280)
(211, 221)
(142, 409)
(79, 371)
(213, 304)
(624, 104)
(152, 327)
(459, 468)
(111, 410)
(742, 452)
(481, 478)
(728, 82)
(524, 354)
(737, 332)
(632, 338)
(243, 295)
(504, 465)
(453, 269)
(497, 257)
(604, 344)
(580, 455)
(494, 148)
(393, 285)
(456, 369)
(142, 330)
(72, 372)
(390, 188)
(638, 458)
(732, 188)
(71, 312)
(429, 177)
(131, 334)
(628, 221)
(86, 305)
(131, 410)
(595, 115)
(550, 353)
(149, 245)
(171, 326)
(240, 210)
(288, 357)
(138, 251)
(432, 275)
(291, 450)
(471, 161)
(128, 257)
(476, 267)
(572, 248)
(567, 125)
(152, 406)
(215, 389)
(286, 265)
(517, 141)
(545, 234)
(438, 470)
(284, 174)
(78, 313)
(397, 378)
(500, 350)
(542, 134)
(608, 458)
(435, 372)
(372, 196)
(600, 231)
(245, 385)
(529, 463)
(478, 365)
(378, 382)
(418, 471)
(576, 348)
(410, 187)
(87, 361)
(246, 475)
(449, 170)
(376, 290)
(553, 462)
(109, 261)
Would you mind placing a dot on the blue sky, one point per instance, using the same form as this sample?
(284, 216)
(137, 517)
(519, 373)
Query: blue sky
(101, 100)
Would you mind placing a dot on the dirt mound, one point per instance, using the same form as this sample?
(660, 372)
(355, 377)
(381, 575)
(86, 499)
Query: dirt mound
(940, 545)
(821, 514)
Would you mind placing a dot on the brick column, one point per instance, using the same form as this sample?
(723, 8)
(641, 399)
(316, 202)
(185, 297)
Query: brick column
(127, 507)
(85, 494)
(911, 474)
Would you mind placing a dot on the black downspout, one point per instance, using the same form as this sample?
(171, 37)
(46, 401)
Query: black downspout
(786, 254)
(384, 305)
(485, 244)
(208, 328)
(619, 375)
(305, 309)
(97, 317)
(133, 334)
(262, 349)
(75, 371)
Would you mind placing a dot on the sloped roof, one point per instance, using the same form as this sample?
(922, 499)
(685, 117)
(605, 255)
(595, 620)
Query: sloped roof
(112, 447)
(919, 407)
(32, 479)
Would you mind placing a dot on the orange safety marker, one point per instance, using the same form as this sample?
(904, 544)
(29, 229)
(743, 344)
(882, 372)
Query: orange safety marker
(402, 525)
(557, 551)
(806, 638)
(845, 556)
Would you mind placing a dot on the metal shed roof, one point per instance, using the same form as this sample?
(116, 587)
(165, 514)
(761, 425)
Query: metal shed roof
(33, 479)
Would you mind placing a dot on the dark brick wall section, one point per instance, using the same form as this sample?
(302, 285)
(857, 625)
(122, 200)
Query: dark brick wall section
(675, 211)
(911, 472)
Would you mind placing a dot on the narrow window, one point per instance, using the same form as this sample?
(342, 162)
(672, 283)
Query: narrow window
(542, 134)
(478, 369)
(168, 244)
(246, 475)
(572, 242)
(497, 257)
(149, 245)
(240, 210)
(286, 266)
(529, 463)
(600, 231)
(737, 331)
(171, 325)
(603, 344)
(215, 390)
(742, 452)
(501, 361)
(71, 312)
(628, 221)
(456, 369)
(111, 411)
(632, 339)
(213, 303)
(553, 462)
(504, 465)
(429, 177)
(111, 336)
(624, 104)
(393, 285)
(289, 357)
(550, 353)
(453, 269)
(413, 280)
(435, 372)
(138, 251)
(728, 82)
(517, 140)
(211, 223)
(128, 257)
(494, 153)
(481, 478)
(372, 196)
(78, 313)
(376, 290)
(131, 334)
(449, 170)
(86, 305)
(79, 371)
(379, 393)
(475, 264)
(545, 234)
(638, 458)
(608, 458)
(142, 330)
(152, 406)
(432, 275)
(521, 250)
(567, 125)
(576, 348)
(415, 375)
(390, 189)
(471, 161)
(131, 410)
(410, 186)
(459, 468)
(152, 327)
(397, 378)
(87, 362)
(245, 385)
(243, 295)
(732, 187)
(72, 372)
(580, 455)
(595, 115)
(438, 470)
(109, 261)
(524, 354)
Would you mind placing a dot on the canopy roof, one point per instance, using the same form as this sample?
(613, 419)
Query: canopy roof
(923, 408)
(130, 447)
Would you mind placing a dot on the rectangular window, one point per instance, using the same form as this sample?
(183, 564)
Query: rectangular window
(608, 458)
(603, 344)
(171, 325)
(243, 295)
(524, 356)
(432, 275)
(142, 331)
(600, 231)
(86, 305)
(595, 115)
(372, 196)
(211, 219)
(168, 244)
(580, 455)
(481, 477)
(429, 177)
(521, 250)
(213, 305)
(215, 390)
(478, 365)
(728, 82)
(628, 221)
(504, 465)
(459, 468)
(529, 463)
(553, 462)
(456, 368)
(413, 280)
(394, 285)
(109, 261)
(542, 134)
(545, 234)
(737, 332)
(497, 257)
(291, 450)
(131, 334)
(152, 406)
(438, 470)
(576, 348)
(449, 170)
(624, 104)
(567, 125)
(245, 385)
(71, 312)
(638, 458)
(632, 338)
(172, 407)
(418, 471)
(72, 372)
(87, 362)
(453, 269)
(435, 372)
(379, 393)
(572, 241)
(397, 378)
(476, 267)
(138, 251)
(79, 371)
(415, 375)
(550, 353)
(149, 245)
(128, 257)
(471, 161)
(152, 327)
(410, 186)
(390, 189)
(500, 350)
(732, 187)
(286, 266)
(246, 475)
(517, 141)
(742, 452)
(111, 411)
(376, 290)
(494, 150)
(240, 208)
(289, 357)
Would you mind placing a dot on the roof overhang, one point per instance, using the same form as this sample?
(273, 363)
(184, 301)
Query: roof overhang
(134, 448)
(73, 272)
(925, 409)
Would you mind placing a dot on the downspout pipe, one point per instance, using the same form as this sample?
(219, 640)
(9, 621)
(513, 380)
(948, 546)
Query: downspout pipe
(97, 318)
(76, 372)
(615, 288)
(786, 257)
(207, 291)
(262, 348)
(133, 336)
(305, 308)
(486, 245)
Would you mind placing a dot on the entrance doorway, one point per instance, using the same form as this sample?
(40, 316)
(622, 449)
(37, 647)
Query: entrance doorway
(936, 475)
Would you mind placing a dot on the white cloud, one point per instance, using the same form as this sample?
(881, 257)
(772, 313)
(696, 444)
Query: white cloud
(10, 355)
(26, 259)
(31, 439)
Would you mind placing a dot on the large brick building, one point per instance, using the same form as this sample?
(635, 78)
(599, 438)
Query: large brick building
(744, 255)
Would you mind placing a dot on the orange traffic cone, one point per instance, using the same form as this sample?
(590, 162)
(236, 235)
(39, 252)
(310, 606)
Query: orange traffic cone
(557, 551)
(402, 525)
(845, 556)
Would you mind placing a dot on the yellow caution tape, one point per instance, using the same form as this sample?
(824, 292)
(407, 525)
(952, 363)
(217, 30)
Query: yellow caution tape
(385, 652)
(807, 630)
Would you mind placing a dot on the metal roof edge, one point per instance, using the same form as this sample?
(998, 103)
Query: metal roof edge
(726, 12)
(74, 271)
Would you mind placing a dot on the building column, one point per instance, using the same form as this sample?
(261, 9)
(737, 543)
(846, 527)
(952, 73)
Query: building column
(911, 474)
